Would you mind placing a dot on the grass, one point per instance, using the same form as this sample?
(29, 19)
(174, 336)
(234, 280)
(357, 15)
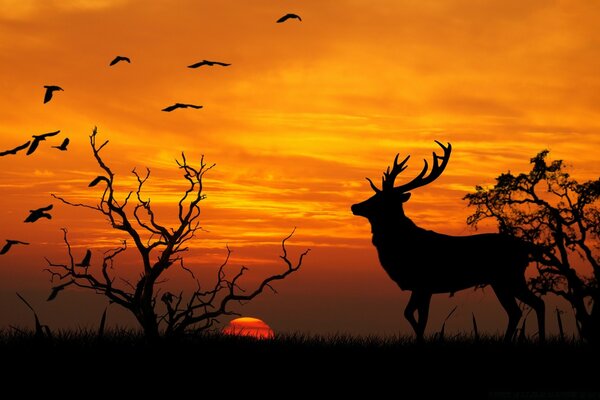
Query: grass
(307, 365)
(340, 363)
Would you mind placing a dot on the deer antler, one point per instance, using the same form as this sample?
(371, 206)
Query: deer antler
(421, 179)
(389, 176)
(387, 181)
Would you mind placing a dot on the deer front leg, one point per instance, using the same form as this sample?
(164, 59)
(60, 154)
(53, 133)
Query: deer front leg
(418, 301)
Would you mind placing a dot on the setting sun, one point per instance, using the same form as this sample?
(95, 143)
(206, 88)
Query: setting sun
(248, 326)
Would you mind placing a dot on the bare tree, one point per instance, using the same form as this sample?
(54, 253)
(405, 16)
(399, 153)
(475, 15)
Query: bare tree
(159, 248)
(561, 219)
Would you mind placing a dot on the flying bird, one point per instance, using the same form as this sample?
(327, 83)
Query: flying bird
(63, 146)
(180, 105)
(15, 150)
(97, 180)
(50, 89)
(288, 16)
(9, 244)
(86, 259)
(39, 213)
(38, 138)
(118, 59)
(58, 289)
(209, 63)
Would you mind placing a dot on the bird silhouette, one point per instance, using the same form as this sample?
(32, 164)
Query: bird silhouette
(86, 259)
(38, 138)
(50, 89)
(58, 289)
(8, 245)
(208, 63)
(97, 180)
(39, 213)
(118, 59)
(63, 146)
(15, 150)
(288, 16)
(180, 105)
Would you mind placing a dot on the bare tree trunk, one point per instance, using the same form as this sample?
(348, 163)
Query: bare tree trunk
(146, 314)
(147, 319)
(590, 325)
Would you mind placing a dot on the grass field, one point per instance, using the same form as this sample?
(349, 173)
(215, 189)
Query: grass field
(305, 364)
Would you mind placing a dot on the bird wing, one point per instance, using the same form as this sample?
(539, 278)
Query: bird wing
(86, 259)
(171, 108)
(48, 208)
(222, 64)
(119, 58)
(34, 145)
(21, 147)
(58, 289)
(196, 65)
(288, 16)
(6, 247)
(14, 151)
(48, 94)
(45, 135)
(97, 180)
(192, 106)
(31, 218)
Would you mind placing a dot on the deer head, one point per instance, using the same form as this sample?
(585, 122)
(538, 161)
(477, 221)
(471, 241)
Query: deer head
(388, 200)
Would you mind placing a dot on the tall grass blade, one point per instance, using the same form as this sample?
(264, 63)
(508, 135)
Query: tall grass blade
(102, 324)
(475, 330)
(39, 331)
(441, 333)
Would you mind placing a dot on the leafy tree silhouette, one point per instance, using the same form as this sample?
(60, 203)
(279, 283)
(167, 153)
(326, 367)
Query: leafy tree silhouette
(159, 248)
(561, 217)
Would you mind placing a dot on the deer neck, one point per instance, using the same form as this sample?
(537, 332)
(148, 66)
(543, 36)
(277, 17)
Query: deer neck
(387, 231)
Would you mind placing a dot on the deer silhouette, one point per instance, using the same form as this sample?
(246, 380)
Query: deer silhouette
(427, 262)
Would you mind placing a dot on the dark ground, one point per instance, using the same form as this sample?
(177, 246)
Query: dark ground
(297, 366)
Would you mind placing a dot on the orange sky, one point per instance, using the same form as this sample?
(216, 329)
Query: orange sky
(305, 112)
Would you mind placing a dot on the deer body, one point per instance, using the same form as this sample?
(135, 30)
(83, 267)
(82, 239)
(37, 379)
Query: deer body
(427, 262)
(421, 259)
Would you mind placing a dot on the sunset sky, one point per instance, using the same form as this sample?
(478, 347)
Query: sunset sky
(305, 112)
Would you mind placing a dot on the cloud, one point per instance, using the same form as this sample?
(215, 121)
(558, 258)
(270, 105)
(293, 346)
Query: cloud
(23, 9)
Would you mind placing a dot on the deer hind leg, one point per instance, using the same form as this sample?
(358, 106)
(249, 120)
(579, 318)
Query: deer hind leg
(507, 299)
(424, 301)
(527, 297)
(418, 302)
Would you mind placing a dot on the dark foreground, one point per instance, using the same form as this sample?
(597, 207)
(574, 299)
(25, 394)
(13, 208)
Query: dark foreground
(297, 366)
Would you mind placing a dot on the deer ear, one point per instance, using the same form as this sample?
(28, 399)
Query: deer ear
(404, 197)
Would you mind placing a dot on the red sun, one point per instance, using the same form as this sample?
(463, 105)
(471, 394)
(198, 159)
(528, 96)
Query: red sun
(248, 326)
